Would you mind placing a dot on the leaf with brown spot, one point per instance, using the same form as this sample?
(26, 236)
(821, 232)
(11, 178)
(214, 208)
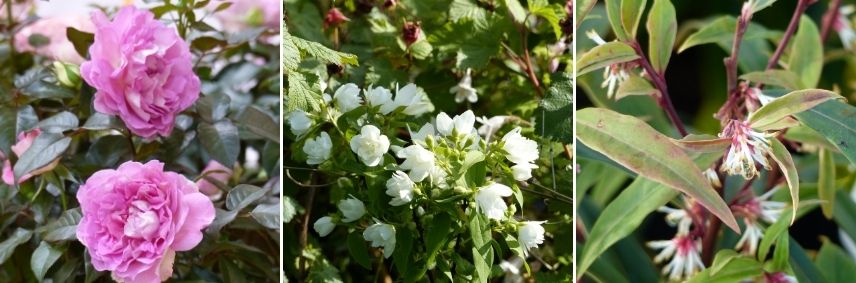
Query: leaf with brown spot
(605, 55)
(789, 104)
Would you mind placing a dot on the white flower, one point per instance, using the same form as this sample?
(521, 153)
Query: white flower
(613, 75)
(418, 160)
(490, 126)
(512, 270)
(751, 236)
(348, 97)
(370, 145)
(381, 235)
(299, 122)
(318, 149)
(324, 225)
(843, 26)
(461, 124)
(251, 158)
(400, 188)
(712, 178)
(675, 216)
(489, 199)
(530, 235)
(438, 177)
(747, 147)
(413, 99)
(420, 137)
(519, 149)
(464, 90)
(379, 96)
(352, 208)
(522, 171)
(684, 251)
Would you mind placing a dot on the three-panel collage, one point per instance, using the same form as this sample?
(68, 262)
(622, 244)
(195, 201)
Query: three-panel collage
(380, 141)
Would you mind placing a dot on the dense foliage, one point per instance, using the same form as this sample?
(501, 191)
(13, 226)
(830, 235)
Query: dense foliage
(428, 141)
(196, 105)
(749, 175)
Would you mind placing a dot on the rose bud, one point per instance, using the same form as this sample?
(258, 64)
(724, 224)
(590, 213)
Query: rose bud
(334, 18)
(411, 32)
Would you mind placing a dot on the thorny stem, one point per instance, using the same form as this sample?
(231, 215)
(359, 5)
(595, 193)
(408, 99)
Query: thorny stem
(829, 19)
(660, 83)
(528, 61)
(802, 5)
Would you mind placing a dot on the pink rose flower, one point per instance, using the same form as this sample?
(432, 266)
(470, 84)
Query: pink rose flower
(142, 71)
(243, 14)
(136, 217)
(53, 28)
(21, 9)
(215, 171)
(25, 140)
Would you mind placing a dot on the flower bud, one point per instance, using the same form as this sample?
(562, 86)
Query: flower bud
(334, 18)
(411, 32)
(67, 74)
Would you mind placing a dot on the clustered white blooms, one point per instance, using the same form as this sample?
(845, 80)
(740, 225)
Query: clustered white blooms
(747, 148)
(613, 75)
(844, 27)
(464, 89)
(684, 249)
(753, 211)
(427, 161)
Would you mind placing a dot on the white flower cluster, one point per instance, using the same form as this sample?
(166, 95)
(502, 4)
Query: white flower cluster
(427, 166)
(747, 148)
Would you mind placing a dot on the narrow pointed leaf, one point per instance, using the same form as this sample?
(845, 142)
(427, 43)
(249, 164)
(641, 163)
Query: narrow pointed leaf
(782, 157)
(835, 264)
(806, 58)
(637, 146)
(721, 30)
(826, 182)
(789, 104)
(613, 14)
(662, 29)
(782, 78)
(605, 55)
(631, 14)
(835, 121)
(635, 85)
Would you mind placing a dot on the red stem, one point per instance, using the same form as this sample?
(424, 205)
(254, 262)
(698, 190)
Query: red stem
(802, 5)
(660, 83)
(829, 19)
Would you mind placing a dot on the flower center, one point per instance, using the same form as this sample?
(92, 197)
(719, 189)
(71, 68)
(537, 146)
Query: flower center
(142, 222)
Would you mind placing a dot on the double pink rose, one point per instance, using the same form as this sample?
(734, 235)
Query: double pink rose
(136, 217)
(142, 71)
(53, 29)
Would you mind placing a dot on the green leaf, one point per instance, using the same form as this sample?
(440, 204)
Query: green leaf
(290, 54)
(402, 256)
(516, 10)
(662, 29)
(59, 123)
(558, 108)
(773, 233)
(242, 196)
(213, 107)
(789, 104)
(267, 214)
(548, 13)
(635, 85)
(80, 40)
(303, 94)
(207, 43)
(220, 140)
(65, 227)
(759, 5)
(613, 14)
(605, 55)
(731, 268)
(260, 123)
(782, 78)
(635, 145)
(806, 56)
(782, 252)
(834, 263)
(43, 258)
(436, 237)
(844, 213)
(801, 264)
(621, 217)
(826, 182)
(99, 121)
(45, 149)
(324, 54)
(462, 9)
(782, 157)
(836, 121)
(631, 14)
(721, 30)
(7, 247)
(359, 251)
